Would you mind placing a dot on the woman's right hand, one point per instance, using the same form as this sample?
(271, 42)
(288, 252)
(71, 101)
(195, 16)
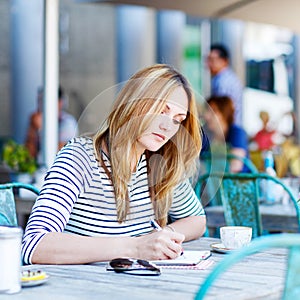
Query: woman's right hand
(157, 245)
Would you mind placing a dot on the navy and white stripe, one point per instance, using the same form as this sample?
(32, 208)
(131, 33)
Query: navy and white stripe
(77, 197)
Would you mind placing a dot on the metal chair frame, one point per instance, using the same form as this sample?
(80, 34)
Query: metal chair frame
(208, 158)
(240, 196)
(291, 241)
(8, 215)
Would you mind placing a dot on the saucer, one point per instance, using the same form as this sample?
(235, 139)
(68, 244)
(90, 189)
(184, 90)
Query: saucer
(34, 282)
(219, 247)
(33, 278)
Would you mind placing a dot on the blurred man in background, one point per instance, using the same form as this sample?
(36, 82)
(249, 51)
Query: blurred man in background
(224, 80)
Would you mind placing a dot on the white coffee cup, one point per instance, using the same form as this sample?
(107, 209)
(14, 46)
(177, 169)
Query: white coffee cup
(234, 237)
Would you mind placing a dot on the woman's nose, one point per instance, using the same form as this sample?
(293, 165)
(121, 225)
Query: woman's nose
(165, 123)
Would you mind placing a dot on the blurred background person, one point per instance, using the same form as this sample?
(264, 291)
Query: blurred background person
(224, 81)
(219, 118)
(67, 125)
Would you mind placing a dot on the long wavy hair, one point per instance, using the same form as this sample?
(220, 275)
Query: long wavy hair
(141, 99)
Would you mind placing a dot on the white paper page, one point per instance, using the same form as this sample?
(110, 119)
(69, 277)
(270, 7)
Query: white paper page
(188, 258)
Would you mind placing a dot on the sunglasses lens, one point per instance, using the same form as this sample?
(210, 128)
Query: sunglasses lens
(121, 263)
(146, 264)
(134, 267)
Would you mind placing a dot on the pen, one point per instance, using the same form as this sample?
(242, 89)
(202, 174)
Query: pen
(155, 225)
(158, 228)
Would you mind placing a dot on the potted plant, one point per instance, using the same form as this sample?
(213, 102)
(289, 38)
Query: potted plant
(18, 159)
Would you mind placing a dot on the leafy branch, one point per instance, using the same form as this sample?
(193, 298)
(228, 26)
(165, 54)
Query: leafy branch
(18, 158)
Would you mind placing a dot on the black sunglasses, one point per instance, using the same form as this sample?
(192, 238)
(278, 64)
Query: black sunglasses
(134, 267)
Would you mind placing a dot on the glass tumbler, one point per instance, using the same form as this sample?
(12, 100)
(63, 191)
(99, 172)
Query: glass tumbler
(10, 259)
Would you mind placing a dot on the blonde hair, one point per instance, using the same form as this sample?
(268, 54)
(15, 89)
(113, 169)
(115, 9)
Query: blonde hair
(135, 108)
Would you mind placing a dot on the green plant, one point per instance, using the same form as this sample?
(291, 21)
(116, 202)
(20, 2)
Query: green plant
(18, 158)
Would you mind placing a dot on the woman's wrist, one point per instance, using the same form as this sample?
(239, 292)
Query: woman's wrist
(170, 227)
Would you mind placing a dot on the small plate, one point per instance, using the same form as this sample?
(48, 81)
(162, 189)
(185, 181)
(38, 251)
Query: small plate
(34, 282)
(33, 278)
(219, 247)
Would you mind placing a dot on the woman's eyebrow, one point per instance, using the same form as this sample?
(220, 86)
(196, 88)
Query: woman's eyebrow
(182, 115)
(179, 114)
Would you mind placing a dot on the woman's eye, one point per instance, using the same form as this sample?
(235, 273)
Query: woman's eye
(176, 122)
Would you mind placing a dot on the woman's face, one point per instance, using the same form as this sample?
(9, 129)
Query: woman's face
(165, 125)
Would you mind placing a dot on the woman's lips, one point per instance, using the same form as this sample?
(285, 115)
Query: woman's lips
(160, 136)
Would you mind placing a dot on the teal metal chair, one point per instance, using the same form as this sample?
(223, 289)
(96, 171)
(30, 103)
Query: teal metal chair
(220, 162)
(8, 215)
(240, 195)
(292, 278)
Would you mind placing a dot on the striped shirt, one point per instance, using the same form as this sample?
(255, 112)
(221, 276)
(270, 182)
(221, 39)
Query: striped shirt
(78, 198)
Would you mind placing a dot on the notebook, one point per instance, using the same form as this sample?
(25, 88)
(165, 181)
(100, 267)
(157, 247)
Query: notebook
(189, 258)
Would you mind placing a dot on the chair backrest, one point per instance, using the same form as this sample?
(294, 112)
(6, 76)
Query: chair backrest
(8, 214)
(240, 196)
(292, 280)
(247, 162)
(220, 163)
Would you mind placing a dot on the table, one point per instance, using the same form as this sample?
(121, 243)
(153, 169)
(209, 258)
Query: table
(259, 276)
(275, 217)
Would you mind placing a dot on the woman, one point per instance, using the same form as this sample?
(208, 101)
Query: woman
(101, 193)
(219, 120)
